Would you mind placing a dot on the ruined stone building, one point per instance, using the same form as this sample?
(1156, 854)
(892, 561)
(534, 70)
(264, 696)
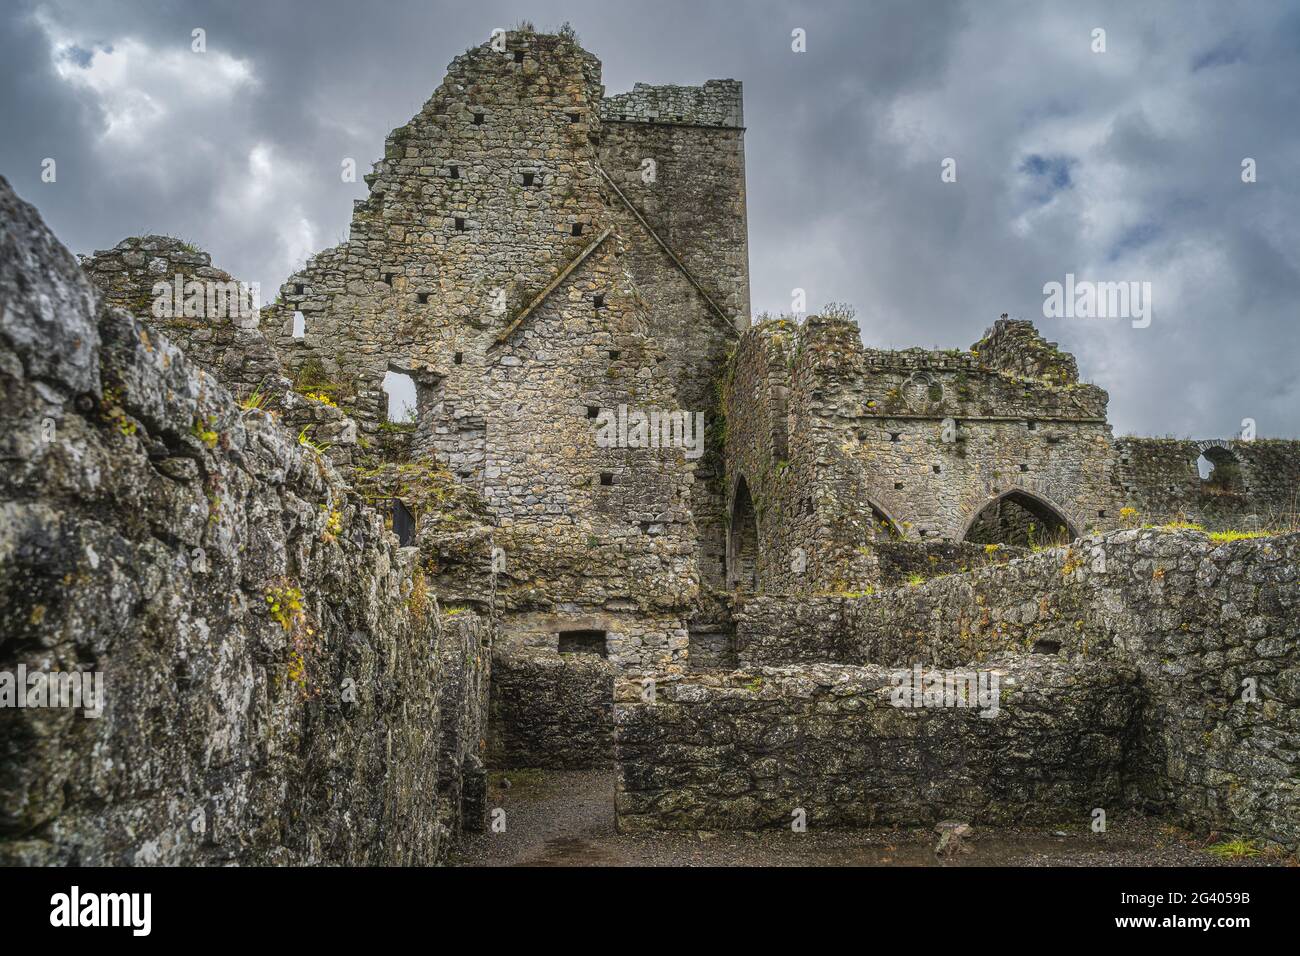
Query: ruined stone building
(242, 527)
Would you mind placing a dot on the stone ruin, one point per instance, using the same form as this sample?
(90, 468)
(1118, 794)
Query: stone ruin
(319, 628)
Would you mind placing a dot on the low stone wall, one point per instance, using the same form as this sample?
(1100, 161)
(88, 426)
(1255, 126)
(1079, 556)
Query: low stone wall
(907, 562)
(278, 684)
(551, 710)
(1212, 629)
(750, 749)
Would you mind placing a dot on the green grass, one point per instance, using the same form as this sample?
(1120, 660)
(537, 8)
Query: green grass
(1235, 849)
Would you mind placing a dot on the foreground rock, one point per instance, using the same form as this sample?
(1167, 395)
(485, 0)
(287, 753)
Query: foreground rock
(279, 683)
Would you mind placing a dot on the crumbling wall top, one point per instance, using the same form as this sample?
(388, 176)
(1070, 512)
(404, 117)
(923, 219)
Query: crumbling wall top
(716, 103)
(1015, 346)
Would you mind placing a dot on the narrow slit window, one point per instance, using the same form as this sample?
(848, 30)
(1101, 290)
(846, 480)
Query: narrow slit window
(460, 224)
(299, 325)
(598, 301)
(453, 172)
(457, 358)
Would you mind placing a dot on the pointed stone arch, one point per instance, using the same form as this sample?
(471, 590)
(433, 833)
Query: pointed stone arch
(742, 540)
(1018, 516)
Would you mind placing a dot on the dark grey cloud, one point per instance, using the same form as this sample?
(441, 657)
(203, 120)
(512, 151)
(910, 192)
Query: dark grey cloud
(1123, 165)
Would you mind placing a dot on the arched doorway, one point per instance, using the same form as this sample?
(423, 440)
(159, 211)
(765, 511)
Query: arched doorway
(1019, 518)
(742, 541)
(1219, 471)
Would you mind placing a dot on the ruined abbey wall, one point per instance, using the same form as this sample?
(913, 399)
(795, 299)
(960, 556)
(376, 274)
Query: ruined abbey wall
(218, 332)
(823, 746)
(230, 345)
(675, 165)
(488, 264)
(1255, 484)
(280, 684)
(1196, 620)
(839, 445)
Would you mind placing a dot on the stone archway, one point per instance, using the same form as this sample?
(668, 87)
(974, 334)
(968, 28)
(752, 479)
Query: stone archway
(1019, 517)
(742, 541)
(1219, 469)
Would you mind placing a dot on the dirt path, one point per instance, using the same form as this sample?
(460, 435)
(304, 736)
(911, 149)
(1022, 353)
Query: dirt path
(566, 818)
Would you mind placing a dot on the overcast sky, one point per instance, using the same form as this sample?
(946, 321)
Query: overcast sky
(1122, 165)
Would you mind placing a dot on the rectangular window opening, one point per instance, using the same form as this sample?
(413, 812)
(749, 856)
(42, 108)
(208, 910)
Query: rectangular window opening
(606, 478)
(583, 642)
(460, 224)
(529, 179)
(577, 228)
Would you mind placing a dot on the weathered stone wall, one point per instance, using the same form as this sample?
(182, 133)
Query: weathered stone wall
(551, 710)
(854, 444)
(218, 335)
(1194, 618)
(676, 189)
(1255, 485)
(280, 686)
(695, 198)
(909, 562)
(487, 264)
(747, 750)
(215, 334)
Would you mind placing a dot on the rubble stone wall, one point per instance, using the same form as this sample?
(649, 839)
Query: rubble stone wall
(486, 264)
(1255, 485)
(754, 748)
(863, 444)
(551, 710)
(1213, 631)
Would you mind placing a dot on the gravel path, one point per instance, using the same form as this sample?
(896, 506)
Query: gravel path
(566, 818)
